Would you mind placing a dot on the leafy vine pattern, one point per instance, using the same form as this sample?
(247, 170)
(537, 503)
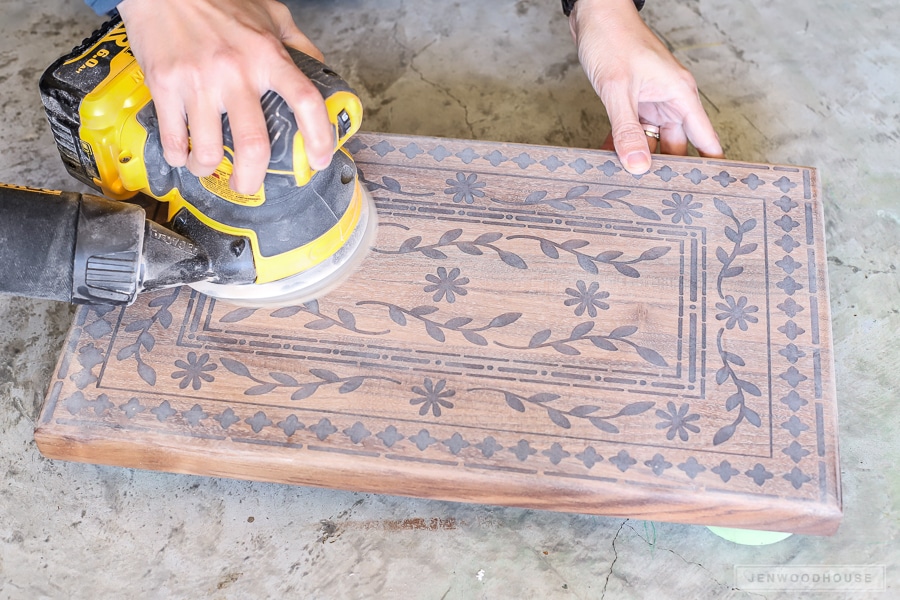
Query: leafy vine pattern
(451, 238)
(731, 360)
(388, 184)
(302, 390)
(580, 332)
(589, 262)
(578, 193)
(345, 319)
(736, 400)
(561, 417)
(435, 329)
(736, 235)
(145, 339)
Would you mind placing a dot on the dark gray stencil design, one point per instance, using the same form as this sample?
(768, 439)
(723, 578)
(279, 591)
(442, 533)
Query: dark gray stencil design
(345, 319)
(77, 402)
(323, 429)
(691, 467)
(623, 460)
(589, 262)
(432, 396)
(682, 208)
(737, 400)
(446, 284)
(227, 418)
(587, 298)
(357, 433)
(435, 330)
(736, 312)
(495, 157)
(523, 450)
(736, 236)
(759, 474)
(388, 184)
(389, 436)
(89, 357)
(665, 173)
(194, 416)
(258, 421)
(465, 188)
(788, 264)
(456, 443)
(422, 440)
(797, 478)
(589, 457)
(580, 166)
(301, 390)
(489, 446)
(658, 464)
(677, 421)
(556, 453)
(194, 370)
(163, 411)
(145, 339)
(411, 150)
(580, 332)
(290, 425)
(451, 238)
(725, 471)
(132, 407)
(383, 148)
(566, 202)
(562, 417)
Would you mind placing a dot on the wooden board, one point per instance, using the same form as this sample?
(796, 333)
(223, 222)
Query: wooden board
(535, 327)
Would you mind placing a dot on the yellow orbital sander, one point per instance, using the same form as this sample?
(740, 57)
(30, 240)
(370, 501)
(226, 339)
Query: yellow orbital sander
(299, 236)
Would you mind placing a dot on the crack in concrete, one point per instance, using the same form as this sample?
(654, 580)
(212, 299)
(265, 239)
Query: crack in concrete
(615, 558)
(446, 91)
(686, 561)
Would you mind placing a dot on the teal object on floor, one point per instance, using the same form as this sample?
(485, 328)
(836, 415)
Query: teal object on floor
(749, 537)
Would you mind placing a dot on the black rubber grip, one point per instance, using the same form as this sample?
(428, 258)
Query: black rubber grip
(37, 242)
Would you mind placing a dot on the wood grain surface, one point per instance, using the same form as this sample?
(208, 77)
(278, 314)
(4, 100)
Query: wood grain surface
(534, 327)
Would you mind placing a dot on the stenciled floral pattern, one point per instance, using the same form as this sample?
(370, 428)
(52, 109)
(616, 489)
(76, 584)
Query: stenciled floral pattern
(682, 208)
(465, 188)
(446, 284)
(737, 313)
(194, 371)
(432, 396)
(678, 421)
(587, 298)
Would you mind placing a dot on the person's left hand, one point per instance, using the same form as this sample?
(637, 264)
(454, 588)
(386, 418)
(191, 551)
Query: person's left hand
(639, 82)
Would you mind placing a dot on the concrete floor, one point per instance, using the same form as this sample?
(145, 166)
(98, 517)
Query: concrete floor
(812, 82)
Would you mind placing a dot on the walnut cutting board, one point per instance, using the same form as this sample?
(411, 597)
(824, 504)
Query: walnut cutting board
(534, 327)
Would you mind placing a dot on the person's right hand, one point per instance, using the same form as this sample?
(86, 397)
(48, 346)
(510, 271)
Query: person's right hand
(204, 58)
(639, 82)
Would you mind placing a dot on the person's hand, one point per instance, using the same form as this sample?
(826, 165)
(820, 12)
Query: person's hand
(639, 81)
(204, 58)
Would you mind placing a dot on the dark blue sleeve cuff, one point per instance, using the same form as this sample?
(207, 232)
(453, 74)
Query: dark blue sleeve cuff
(102, 7)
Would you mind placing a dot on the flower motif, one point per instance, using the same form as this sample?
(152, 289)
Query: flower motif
(682, 208)
(445, 283)
(739, 313)
(464, 188)
(432, 397)
(587, 298)
(194, 371)
(678, 421)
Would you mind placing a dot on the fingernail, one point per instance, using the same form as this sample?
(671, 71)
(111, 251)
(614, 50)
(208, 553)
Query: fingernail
(637, 162)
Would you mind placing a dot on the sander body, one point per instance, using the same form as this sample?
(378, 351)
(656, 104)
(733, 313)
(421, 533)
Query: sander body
(301, 234)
